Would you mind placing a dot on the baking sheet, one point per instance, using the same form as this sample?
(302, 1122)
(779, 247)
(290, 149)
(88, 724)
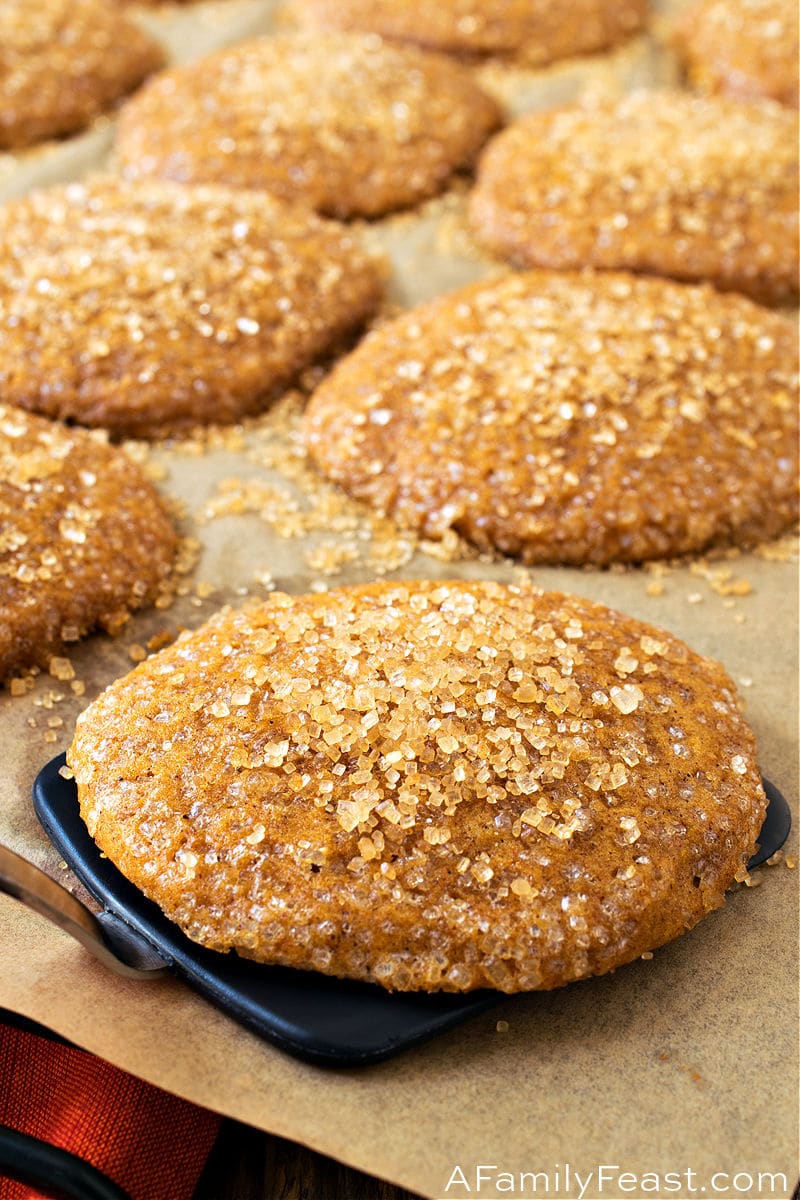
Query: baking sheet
(687, 1062)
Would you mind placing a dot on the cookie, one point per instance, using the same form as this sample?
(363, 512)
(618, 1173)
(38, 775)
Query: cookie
(744, 48)
(535, 33)
(673, 184)
(62, 62)
(571, 418)
(340, 122)
(84, 538)
(148, 308)
(436, 786)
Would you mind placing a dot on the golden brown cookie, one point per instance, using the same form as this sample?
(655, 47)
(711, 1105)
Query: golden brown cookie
(429, 786)
(571, 418)
(84, 538)
(148, 308)
(341, 122)
(62, 62)
(673, 184)
(535, 31)
(744, 48)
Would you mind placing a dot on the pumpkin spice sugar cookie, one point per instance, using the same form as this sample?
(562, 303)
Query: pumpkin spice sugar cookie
(663, 182)
(744, 48)
(84, 538)
(62, 63)
(432, 786)
(534, 32)
(341, 122)
(571, 418)
(150, 308)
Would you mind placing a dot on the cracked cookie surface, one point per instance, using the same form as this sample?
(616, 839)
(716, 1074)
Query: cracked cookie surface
(84, 538)
(571, 418)
(150, 308)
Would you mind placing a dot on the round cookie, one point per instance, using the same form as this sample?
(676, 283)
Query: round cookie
(571, 418)
(673, 184)
(535, 33)
(341, 122)
(84, 538)
(436, 786)
(148, 308)
(62, 62)
(744, 48)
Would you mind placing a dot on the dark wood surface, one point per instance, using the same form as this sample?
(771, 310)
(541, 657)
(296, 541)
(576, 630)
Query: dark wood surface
(247, 1164)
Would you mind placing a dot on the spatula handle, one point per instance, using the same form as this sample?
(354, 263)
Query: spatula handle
(25, 882)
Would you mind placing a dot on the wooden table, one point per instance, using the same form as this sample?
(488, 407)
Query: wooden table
(247, 1164)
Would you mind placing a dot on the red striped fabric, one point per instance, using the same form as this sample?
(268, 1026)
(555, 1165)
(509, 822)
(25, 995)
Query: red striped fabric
(152, 1144)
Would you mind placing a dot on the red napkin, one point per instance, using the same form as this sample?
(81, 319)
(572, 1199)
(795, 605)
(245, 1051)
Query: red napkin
(152, 1144)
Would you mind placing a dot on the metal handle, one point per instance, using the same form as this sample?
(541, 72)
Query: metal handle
(103, 936)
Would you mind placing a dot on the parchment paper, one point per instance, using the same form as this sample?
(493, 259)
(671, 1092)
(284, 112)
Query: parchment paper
(685, 1063)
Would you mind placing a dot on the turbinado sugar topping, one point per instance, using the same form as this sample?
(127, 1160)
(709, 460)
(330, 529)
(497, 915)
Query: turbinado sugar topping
(433, 786)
